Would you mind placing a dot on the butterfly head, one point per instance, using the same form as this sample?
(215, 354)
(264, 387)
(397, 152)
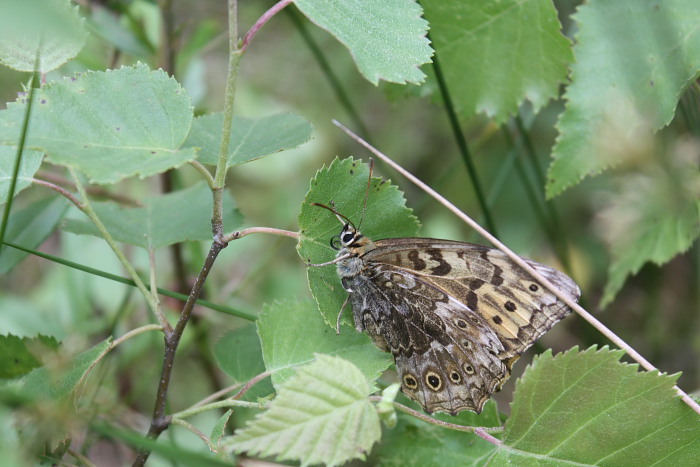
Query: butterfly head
(348, 238)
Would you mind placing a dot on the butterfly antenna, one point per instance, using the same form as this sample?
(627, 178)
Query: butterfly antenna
(369, 182)
(340, 217)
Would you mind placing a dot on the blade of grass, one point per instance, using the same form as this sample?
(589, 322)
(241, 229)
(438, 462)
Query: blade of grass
(123, 280)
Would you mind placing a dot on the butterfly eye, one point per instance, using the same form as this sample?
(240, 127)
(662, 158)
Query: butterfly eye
(335, 242)
(347, 237)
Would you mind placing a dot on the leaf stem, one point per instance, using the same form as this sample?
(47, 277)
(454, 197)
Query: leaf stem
(235, 55)
(90, 212)
(197, 432)
(636, 356)
(204, 171)
(252, 230)
(276, 8)
(91, 190)
(62, 191)
(225, 404)
(136, 332)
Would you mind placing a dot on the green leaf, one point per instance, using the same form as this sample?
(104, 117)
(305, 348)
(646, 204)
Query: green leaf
(292, 332)
(250, 138)
(109, 125)
(62, 378)
(633, 60)
(53, 26)
(587, 408)
(321, 415)
(18, 356)
(30, 227)
(103, 23)
(386, 39)
(495, 55)
(414, 443)
(345, 183)
(31, 160)
(239, 354)
(218, 431)
(652, 217)
(183, 215)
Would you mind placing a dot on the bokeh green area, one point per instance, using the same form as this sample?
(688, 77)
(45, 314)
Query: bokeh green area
(579, 231)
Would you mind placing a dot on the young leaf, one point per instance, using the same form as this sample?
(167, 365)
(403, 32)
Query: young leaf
(220, 427)
(250, 138)
(633, 60)
(183, 215)
(31, 160)
(321, 415)
(587, 408)
(18, 355)
(344, 183)
(293, 332)
(61, 379)
(109, 125)
(495, 55)
(52, 31)
(386, 39)
(29, 228)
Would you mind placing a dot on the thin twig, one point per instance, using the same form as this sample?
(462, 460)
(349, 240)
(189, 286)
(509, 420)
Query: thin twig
(276, 8)
(204, 171)
(481, 431)
(193, 429)
(62, 191)
(136, 332)
(255, 380)
(95, 191)
(214, 396)
(154, 292)
(160, 421)
(520, 262)
(225, 404)
(90, 212)
(252, 230)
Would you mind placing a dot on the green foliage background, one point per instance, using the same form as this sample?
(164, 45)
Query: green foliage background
(582, 123)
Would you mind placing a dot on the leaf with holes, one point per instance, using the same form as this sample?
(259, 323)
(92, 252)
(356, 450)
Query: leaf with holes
(109, 125)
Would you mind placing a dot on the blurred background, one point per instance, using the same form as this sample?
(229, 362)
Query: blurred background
(657, 311)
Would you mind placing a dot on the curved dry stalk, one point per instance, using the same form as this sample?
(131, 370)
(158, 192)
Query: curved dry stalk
(636, 356)
(481, 431)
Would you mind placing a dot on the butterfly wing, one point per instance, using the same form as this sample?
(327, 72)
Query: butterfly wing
(425, 291)
(433, 337)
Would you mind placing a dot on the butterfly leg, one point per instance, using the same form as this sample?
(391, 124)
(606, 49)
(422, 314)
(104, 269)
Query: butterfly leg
(340, 313)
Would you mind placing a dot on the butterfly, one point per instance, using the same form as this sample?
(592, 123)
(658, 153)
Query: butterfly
(454, 315)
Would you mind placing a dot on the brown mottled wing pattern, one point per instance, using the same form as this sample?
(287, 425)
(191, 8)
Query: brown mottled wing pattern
(454, 315)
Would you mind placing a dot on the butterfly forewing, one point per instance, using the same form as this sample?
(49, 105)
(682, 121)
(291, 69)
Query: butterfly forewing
(454, 315)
